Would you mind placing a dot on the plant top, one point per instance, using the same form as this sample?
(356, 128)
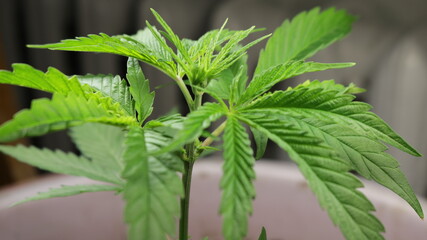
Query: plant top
(149, 162)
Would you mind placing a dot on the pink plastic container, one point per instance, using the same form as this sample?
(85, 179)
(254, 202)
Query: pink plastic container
(284, 205)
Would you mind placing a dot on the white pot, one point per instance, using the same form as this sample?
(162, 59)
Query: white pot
(284, 205)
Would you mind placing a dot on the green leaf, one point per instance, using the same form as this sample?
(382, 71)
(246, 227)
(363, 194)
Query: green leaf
(263, 235)
(174, 120)
(330, 85)
(343, 108)
(316, 111)
(181, 67)
(102, 144)
(215, 52)
(326, 173)
(60, 162)
(194, 125)
(110, 86)
(147, 38)
(263, 81)
(260, 142)
(62, 112)
(52, 81)
(171, 36)
(200, 49)
(155, 141)
(151, 192)
(236, 183)
(65, 191)
(228, 53)
(238, 84)
(203, 59)
(120, 45)
(140, 90)
(307, 33)
(168, 125)
(367, 156)
(230, 82)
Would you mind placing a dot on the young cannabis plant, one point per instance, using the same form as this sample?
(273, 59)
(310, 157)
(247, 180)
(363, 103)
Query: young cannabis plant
(317, 123)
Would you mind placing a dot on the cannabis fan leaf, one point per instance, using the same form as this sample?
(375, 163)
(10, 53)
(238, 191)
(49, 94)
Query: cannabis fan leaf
(60, 113)
(140, 90)
(304, 36)
(238, 190)
(149, 160)
(60, 162)
(65, 191)
(270, 77)
(52, 81)
(121, 45)
(103, 144)
(331, 116)
(110, 86)
(326, 174)
(151, 191)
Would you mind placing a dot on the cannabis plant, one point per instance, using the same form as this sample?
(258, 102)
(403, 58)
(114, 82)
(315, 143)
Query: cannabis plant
(149, 161)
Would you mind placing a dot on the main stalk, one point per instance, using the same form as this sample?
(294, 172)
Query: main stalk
(189, 160)
(185, 202)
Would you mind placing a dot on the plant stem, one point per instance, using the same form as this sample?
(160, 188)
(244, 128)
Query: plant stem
(198, 100)
(208, 141)
(186, 93)
(189, 160)
(186, 177)
(185, 202)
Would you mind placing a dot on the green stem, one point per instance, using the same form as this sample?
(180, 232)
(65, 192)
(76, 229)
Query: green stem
(208, 141)
(190, 158)
(185, 202)
(192, 154)
(197, 101)
(186, 93)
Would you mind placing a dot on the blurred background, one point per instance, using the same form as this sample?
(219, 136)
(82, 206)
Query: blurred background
(388, 43)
